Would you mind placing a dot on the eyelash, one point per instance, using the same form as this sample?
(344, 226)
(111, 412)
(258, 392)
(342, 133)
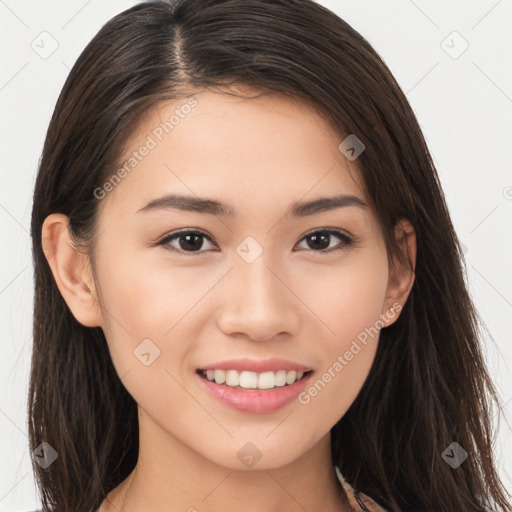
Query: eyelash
(346, 240)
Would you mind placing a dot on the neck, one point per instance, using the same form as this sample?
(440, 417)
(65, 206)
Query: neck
(171, 477)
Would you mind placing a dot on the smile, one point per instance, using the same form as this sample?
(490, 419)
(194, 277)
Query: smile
(253, 400)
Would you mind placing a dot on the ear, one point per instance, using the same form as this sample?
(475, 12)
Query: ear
(401, 276)
(71, 270)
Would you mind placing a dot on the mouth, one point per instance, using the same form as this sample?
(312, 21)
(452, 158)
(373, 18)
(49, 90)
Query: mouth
(251, 392)
(253, 381)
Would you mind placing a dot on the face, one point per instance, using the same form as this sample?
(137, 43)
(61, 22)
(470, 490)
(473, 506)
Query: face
(183, 290)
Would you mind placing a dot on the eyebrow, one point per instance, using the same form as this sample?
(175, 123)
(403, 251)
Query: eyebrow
(213, 207)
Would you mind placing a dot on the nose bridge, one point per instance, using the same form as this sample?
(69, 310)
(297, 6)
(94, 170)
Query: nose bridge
(258, 303)
(256, 283)
(256, 278)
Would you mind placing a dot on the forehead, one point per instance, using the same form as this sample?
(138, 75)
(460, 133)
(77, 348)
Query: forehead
(269, 149)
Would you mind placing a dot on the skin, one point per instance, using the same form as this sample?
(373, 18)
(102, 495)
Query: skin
(258, 156)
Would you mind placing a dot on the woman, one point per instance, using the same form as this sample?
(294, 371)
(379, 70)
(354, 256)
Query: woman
(249, 292)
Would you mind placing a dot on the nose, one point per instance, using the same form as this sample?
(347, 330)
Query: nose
(258, 301)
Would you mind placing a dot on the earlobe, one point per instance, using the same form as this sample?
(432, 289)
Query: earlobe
(401, 275)
(71, 270)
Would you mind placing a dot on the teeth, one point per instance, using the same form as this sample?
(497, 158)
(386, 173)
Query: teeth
(232, 378)
(253, 380)
(248, 380)
(220, 376)
(266, 380)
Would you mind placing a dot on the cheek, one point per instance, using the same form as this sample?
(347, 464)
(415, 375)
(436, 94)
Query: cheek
(145, 297)
(346, 363)
(141, 307)
(355, 318)
(347, 297)
(336, 385)
(349, 302)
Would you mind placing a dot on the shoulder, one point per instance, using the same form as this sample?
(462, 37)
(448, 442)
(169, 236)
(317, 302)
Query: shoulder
(358, 500)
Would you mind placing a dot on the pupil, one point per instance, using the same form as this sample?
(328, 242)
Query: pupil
(191, 244)
(315, 239)
(194, 242)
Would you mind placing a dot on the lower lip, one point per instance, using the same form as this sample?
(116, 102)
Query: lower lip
(255, 401)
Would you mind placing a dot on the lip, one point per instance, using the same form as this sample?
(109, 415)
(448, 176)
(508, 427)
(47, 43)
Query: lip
(272, 364)
(254, 401)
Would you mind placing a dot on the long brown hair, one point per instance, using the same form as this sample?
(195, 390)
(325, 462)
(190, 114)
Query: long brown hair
(428, 386)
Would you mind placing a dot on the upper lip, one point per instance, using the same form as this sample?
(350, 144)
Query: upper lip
(272, 364)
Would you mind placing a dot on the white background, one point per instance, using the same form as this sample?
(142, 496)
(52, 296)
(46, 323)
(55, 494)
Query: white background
(463, 104)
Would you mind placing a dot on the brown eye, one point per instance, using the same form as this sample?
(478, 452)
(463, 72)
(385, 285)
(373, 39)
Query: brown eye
(191, 242)
(187, 241)
(320, 240)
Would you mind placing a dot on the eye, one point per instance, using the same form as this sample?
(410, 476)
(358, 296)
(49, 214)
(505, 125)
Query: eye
(188, 242)
(191, 241)
(321, 239)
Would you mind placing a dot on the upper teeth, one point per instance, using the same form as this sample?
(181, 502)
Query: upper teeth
(253, 380)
